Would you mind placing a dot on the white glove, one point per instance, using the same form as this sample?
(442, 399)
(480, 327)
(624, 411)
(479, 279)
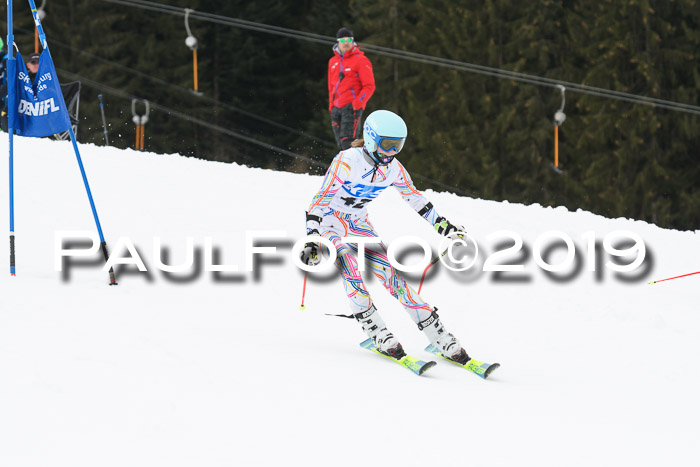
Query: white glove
(446, 228)
(311, 254)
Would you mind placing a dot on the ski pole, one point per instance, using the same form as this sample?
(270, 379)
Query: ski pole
(677, 277)
(104, 123)
(302, 307)
(435, 260)
(432, 263)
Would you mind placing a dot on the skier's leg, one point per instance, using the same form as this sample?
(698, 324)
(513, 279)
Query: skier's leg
(396, 285)
(420, 312)
(364, 311)
(447, 343)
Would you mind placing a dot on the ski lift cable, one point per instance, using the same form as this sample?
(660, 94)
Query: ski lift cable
(632, 98)
(124, 95)
(524, 77)
(421, 58)
(227, 21)
(162, 8)
(500, 73)
(185, 90)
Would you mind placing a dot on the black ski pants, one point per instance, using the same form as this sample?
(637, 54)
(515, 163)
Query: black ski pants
(347, 125)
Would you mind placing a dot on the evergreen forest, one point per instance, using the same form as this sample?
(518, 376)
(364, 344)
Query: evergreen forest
(264, 99)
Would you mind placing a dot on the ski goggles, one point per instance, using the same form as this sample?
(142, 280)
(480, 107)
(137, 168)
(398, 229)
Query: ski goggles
(388, 143)
(345, 40)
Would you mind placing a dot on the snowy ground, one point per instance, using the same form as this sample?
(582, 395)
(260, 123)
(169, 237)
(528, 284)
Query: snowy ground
(224, 369)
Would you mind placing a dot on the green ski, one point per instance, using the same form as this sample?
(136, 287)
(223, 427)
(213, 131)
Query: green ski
(417, 366)
(480, 369)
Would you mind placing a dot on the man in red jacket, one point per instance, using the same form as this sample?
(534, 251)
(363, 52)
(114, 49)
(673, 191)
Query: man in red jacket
(350, 85)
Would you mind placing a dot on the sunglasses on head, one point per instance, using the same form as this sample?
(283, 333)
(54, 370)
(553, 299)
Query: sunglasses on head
(345, 40)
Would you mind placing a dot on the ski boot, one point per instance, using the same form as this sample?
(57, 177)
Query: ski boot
(448, 344)
(374, 326)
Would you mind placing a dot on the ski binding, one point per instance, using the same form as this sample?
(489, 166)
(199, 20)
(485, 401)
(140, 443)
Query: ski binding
(415, 365)
(480, 369)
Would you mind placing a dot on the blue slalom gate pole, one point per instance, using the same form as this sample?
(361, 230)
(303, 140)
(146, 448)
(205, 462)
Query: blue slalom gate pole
(12, 211)
(42, 39)
(10, 130)
(103, 243)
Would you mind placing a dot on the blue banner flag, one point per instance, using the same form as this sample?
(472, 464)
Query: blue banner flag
(39, 106)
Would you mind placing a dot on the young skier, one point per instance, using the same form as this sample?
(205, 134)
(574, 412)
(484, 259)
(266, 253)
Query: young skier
(355, 177)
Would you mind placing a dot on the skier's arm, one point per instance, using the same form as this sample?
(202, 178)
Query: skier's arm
(367, 80)
(415, 198)
(420, 203)
(337, 173)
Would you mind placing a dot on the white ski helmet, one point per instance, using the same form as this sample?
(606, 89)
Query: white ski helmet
(386, 130)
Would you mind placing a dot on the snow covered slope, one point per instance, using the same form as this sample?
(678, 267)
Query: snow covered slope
(208, 369)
